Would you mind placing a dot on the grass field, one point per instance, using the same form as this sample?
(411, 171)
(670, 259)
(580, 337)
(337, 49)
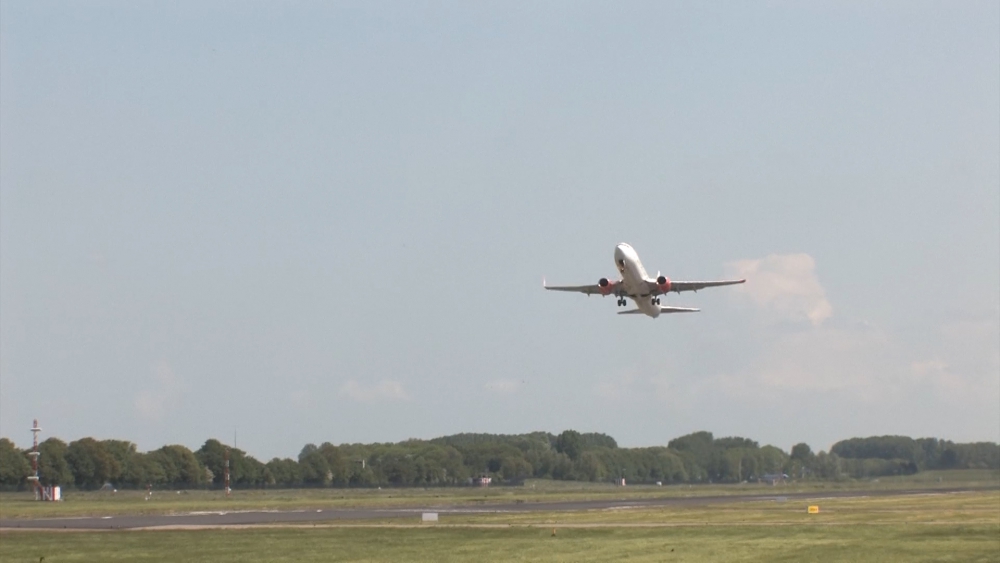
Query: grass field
(21, 505)
(855, 543)
(927, 527)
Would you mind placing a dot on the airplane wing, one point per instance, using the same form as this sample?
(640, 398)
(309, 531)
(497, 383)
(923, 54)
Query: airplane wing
(679, 286)
(613, 288)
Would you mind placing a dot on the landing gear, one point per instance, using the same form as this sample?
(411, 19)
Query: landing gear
(656, 301)
(621, 302)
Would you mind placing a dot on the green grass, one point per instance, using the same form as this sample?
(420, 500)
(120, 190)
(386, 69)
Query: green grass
(951, 508)
(934, 527)
(77, 503)
(947, 476)
(966, 543)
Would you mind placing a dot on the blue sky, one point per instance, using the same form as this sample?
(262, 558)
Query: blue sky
(308, 222)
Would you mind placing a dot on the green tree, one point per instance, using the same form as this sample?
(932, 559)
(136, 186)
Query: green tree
(948, 459)
(562, 468)
(336, 462)
(880, 447)
(590, 467)
(978, 455)
(698, 451)
(124, 454)
(669, 467)
(771, 460)
(541, 462)
(932, 450)
(91, 463)
(212, 455)
(284, 472)
(180, 466)
(827, 466)
(730, 442)
(244, 469)
(398, 467)
(52, 466)
(570, 443)
(802, 452)
(314, 468)
(515, 468)
(144, 469)
(14, 466)
(597, 440)
(252, 473)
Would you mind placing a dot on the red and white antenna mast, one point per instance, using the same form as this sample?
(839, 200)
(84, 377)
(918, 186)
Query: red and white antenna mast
(34, 461)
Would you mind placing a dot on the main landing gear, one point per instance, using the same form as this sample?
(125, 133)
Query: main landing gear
(622, 302)
(656, 301)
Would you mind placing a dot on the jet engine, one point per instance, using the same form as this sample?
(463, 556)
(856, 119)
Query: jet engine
(605, 285)
(663, 282)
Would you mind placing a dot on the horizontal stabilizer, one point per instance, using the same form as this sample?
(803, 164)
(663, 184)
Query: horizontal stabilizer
(678, 310)
(662, 310)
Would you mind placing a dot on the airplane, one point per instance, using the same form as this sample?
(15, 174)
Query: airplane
(637, 285)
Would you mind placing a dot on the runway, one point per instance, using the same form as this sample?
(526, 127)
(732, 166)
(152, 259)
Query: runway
(238, 518)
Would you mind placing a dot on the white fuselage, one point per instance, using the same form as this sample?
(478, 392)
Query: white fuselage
(635, 279)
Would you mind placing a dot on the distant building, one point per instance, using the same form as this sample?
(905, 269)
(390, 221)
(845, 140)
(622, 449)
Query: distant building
(482, 481)
(773, 478)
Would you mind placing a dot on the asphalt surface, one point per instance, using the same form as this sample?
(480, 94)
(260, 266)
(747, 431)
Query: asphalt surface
(237, 518)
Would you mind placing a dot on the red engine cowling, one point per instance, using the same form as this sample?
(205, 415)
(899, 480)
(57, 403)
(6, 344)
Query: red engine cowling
(663, 282)
(606, 286)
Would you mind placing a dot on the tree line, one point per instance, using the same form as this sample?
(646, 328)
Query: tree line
(455, 460)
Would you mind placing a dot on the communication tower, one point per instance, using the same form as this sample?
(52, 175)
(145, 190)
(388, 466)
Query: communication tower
(33, 454)
(41, 493)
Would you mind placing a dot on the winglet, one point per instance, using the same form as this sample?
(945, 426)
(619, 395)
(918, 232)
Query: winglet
(543, 281)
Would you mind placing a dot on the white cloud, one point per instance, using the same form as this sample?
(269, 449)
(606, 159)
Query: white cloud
(650, 377)
(855, 377)
(620, 387)
(827, 358)
(851, 361)
(936, 372)
(301, 399)
(963, 363)
(164, 395)
(795, 361)
(785, 285)
(972, 346)
(385, 390)
(503, 386)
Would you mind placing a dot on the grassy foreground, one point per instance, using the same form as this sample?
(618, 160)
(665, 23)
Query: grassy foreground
(933, 527)
(737, 543)
(978, 508)
(93, 503)
(967, 543)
